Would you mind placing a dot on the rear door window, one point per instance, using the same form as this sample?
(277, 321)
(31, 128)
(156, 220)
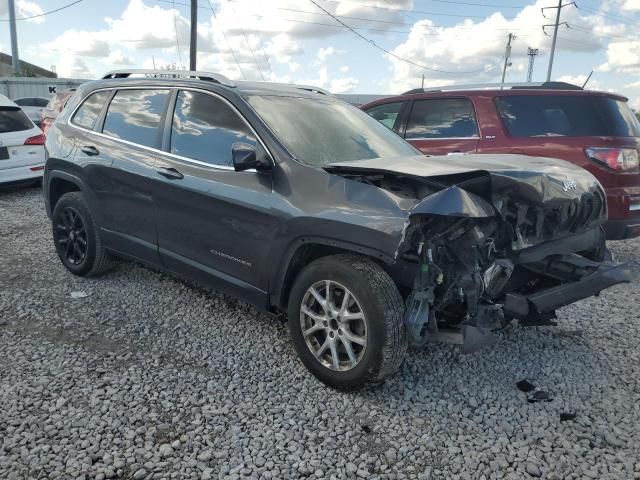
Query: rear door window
(136, 115)
(13, 119)
(90, 109)
(386, 114)
(205, 128)
(567, 116)
(442, 118)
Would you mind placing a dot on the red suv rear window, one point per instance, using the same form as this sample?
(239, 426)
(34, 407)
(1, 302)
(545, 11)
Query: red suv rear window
(567, 115)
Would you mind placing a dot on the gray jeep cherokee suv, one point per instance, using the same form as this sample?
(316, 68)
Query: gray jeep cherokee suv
(308, 208)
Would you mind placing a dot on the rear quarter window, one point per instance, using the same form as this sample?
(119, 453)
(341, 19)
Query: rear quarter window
(87, 114)
(386, 114)
(13, 119)
(566, 115)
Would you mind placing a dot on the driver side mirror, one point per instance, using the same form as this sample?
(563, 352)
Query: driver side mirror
(247, 157)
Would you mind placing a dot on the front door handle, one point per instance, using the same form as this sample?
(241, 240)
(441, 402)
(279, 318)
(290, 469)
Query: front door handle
(90, 150)
(170, 173)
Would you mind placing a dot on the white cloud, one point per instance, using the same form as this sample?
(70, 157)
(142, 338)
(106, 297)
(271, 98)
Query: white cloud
(28, 9)
(474, 51)
(631, 5)
(343, 85)
(579, 80)
(118, 58)
(324, 80)
(325, 53)
(344, 68)
(252, 39)
(24, 8)
(75, 68)
(80, 43)
(623, 56)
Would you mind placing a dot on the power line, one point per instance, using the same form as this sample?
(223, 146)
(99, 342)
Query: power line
(473, 4)
(388, 52)
(598, 35)
(264, 51)
(390, 22)
(235, 59)
(393, 8)
(175, 28)
(384, 8)
(366, 19)
(250, 49)
(577, 42)
(611, 16)
(45, 13)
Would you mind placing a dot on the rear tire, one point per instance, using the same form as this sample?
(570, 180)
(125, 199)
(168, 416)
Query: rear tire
(77, 237)
(353, 347)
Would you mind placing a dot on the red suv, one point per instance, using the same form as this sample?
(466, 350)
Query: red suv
(595, 130)
(53, 109)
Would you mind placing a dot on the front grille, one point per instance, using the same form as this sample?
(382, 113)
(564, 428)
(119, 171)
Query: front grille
(532, 224)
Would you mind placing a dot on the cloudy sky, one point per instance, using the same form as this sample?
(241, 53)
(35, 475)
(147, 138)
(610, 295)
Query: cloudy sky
(449, 41)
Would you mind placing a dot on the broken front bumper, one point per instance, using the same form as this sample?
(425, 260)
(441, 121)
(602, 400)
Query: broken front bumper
(545, 301)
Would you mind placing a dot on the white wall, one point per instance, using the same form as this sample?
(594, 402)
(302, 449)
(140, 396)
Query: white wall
(17, 87)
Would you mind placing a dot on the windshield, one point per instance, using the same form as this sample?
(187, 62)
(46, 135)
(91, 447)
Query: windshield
(318, 132)
(567, 115)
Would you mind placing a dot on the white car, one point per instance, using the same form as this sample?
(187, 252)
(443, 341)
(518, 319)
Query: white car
(33, 107)
(22, 154)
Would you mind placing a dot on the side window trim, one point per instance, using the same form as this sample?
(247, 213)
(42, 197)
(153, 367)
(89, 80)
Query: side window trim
(477, 136)
(168, 122)
(404, 117)
(97, 127)
(170, 104)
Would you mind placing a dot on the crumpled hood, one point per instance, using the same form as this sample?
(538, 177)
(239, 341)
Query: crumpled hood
(536, 179)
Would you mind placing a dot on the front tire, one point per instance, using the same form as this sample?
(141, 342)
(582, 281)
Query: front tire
(77, 237)
(346, 321)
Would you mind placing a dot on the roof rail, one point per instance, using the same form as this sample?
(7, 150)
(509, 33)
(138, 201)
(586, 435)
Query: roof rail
(310, 88)
(497, 86)
(213, 77)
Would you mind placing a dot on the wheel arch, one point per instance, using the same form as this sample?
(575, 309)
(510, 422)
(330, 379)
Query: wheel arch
(60, 183)
(305, 250)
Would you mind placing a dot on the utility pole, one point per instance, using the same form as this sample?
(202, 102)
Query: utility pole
(422, 81)
(15, 60)
(532, 52)
(555, 32)
(507, 55)
(193, 45)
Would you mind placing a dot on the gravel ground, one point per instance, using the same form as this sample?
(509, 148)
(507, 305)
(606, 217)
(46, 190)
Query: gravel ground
(151, 377)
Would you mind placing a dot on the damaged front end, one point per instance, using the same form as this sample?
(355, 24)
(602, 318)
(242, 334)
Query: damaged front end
(491, 246)
(472, 275)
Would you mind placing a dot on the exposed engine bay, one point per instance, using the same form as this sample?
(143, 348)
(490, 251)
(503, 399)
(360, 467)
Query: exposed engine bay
(494, 246)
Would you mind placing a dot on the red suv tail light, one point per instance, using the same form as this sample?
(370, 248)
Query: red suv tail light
(37, 140)
(623, 160)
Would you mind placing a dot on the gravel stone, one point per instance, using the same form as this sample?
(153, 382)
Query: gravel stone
(149, 376)
(140, 474)
(533, 470)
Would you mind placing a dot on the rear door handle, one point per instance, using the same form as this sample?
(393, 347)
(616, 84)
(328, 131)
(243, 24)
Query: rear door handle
(90, 150)
(170, 173)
